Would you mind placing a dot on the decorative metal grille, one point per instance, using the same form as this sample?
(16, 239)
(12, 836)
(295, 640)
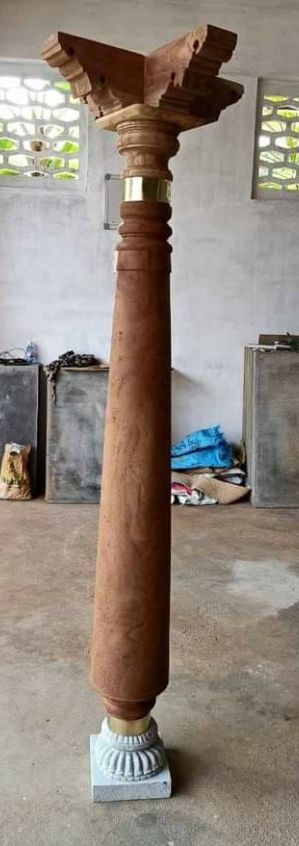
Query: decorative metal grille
(39, 129)
(277, 143)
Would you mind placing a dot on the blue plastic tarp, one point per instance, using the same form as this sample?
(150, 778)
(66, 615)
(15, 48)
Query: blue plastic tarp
(203, 448)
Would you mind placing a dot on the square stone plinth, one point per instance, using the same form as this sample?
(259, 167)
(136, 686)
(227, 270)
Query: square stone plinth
(110, 789)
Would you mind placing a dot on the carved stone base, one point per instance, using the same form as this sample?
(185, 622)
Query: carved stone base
(128, 766)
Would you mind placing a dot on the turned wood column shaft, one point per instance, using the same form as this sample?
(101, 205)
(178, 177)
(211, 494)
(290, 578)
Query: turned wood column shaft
(130, 642)
(148, 100)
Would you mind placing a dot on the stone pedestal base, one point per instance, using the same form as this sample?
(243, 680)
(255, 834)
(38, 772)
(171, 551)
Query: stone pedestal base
(128, 766)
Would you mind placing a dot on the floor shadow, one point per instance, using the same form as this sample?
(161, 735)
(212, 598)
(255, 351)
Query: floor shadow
(186, 770)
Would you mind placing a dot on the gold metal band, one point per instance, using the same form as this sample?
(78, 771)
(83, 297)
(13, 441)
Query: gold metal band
(130, 727)
(136, 188)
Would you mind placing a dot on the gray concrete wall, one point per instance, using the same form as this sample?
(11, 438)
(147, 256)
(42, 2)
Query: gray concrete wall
(236, 260)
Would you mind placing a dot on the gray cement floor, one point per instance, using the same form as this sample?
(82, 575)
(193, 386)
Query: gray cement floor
(229, 718)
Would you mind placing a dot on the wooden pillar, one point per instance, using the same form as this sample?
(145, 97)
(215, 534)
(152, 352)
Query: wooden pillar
(148, 101)
(131, 624)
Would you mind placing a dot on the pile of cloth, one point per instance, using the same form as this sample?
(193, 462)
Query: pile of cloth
(206, 470)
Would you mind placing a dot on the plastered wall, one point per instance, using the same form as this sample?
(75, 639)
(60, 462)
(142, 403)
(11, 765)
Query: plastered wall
(235, 260)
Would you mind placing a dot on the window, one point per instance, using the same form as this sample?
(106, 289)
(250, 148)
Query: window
(276, 173)
(41, 126)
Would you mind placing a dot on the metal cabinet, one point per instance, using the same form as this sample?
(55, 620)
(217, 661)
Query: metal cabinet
(75, 432)
(271, 426)
(19, 410)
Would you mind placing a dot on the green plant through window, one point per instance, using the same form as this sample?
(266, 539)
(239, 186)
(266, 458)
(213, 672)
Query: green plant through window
(278, 144)
(39, 129)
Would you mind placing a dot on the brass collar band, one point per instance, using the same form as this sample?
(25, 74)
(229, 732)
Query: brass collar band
(128, 727)
(136, 188)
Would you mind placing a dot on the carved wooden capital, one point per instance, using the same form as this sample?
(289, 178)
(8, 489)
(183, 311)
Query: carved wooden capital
(179, 79)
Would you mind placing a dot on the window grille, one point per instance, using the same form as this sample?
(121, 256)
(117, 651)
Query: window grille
(276, 172)
(41, 128)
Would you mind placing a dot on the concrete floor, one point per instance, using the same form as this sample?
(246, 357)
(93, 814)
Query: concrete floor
(229, 718)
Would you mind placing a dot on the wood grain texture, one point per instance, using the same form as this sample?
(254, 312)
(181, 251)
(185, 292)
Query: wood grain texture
(138, 111)
(131, 624)
(105, 77)
(180, 78)
(148, 101)
(130, 640)
(147, 146)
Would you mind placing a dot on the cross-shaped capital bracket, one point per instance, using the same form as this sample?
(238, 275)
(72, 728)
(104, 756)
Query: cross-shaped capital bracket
(179, 80)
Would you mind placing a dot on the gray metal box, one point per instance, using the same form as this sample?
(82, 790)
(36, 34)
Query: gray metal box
(271, 426)
(19, 402)
(75, 433)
